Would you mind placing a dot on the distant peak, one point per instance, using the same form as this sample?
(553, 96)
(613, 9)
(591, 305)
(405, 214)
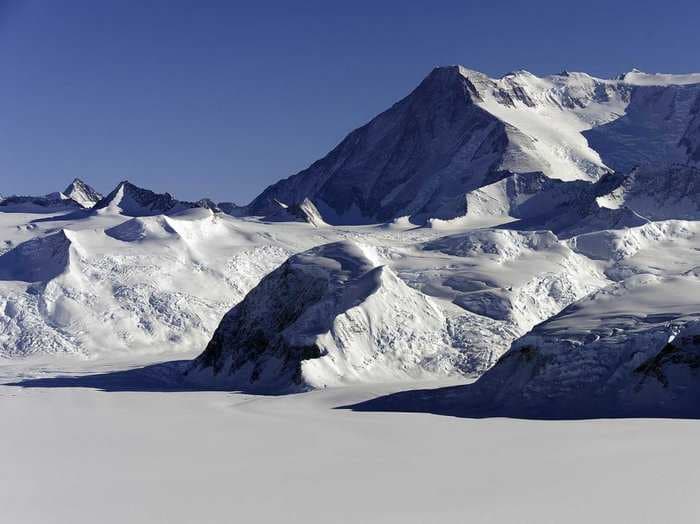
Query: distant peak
(82, 193)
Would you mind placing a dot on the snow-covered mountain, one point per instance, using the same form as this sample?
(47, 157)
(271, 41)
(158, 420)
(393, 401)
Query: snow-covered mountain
(349, 312)
(324, 318)
(556, 255)
(82, 193)
(460, 131)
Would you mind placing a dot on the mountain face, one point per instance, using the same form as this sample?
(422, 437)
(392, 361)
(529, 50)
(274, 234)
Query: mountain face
(461, 130)
(82, 193)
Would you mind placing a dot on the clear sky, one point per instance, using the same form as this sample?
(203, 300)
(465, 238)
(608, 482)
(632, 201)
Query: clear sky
(220, 99)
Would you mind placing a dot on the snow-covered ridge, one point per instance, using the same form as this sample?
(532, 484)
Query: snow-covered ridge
(130, 200)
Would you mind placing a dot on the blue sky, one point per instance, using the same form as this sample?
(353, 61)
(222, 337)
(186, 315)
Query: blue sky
(220, 99)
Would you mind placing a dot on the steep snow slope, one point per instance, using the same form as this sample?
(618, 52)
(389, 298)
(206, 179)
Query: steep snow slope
(670, 377)
(460, 131)
(657, 126)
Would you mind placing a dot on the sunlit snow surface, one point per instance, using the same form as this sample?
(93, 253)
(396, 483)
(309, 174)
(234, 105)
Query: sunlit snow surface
(80, 455)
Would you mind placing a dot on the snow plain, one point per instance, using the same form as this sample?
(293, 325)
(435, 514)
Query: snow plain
(83, 455)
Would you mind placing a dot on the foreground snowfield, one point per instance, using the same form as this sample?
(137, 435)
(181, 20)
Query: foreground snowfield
(83, 455)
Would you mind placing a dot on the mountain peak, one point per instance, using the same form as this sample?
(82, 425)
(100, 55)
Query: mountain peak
(82, 193)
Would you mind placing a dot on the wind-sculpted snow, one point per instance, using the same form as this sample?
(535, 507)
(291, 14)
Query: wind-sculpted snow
(148, 284)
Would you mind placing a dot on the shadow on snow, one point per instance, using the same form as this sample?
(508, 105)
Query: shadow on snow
(162, 377)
